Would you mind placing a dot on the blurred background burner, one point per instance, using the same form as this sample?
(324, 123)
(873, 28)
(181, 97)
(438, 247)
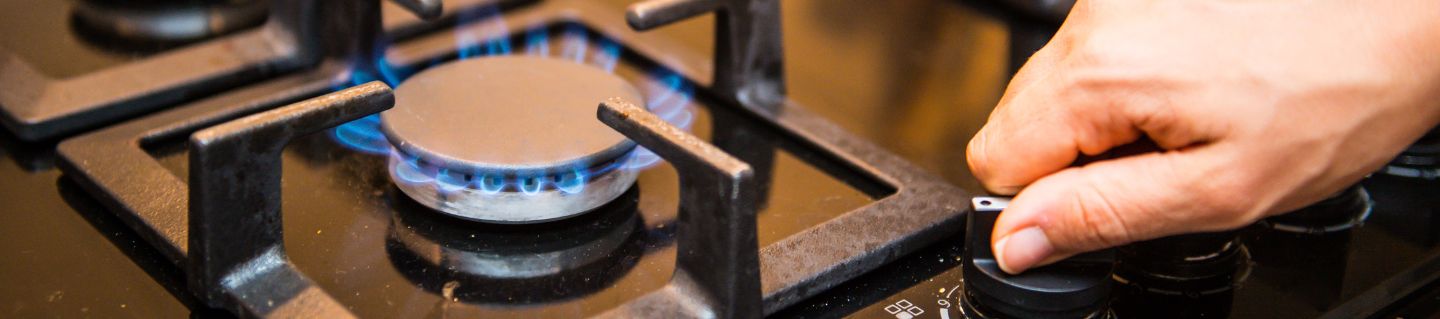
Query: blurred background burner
(485, 263)
(509, 139)
(157, 25)
(1182, 276)
(1340, 212)
(1306, 250)
(1421, 160)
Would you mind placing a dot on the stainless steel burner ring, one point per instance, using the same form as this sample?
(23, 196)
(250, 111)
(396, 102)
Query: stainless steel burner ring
(508, 139)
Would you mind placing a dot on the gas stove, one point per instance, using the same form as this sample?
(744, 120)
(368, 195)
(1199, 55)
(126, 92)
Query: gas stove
(572, 158)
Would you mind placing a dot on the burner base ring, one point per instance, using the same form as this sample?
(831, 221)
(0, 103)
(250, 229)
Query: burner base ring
(510, 207)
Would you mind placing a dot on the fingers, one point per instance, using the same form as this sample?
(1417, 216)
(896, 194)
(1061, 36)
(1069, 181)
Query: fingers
(1114, 202)
(992, 172)
(1051, 112)
(1021, 117)
(1044, 123)
(1042, 128)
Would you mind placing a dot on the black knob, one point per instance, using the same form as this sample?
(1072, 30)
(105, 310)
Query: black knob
(1420, 160)
(1427, 149)
(1340, 212)
(1182, 276)
(1184, 258)
(1077, 287)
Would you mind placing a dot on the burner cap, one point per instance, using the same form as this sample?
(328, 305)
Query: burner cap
(508, 114)
(510, 139)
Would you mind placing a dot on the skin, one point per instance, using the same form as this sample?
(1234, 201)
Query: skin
(1258, 108)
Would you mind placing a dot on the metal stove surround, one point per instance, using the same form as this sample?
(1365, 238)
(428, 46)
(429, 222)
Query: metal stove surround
(113, 165)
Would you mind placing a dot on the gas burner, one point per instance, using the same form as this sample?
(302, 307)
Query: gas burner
(474, 262)
(508, 139)
(136, 24)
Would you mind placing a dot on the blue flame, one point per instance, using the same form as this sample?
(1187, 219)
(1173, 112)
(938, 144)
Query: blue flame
(575, 44)
(537, 42)
(571, 183)
(390, 73)
(410, 170)
(361, 73)
(668, 96)
(495, 34)
(532, 185)
(449, 182)
(671, 102)
(608, 56)
(363, 135)
(490, 184)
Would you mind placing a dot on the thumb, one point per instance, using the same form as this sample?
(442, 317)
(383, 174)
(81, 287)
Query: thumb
(1115, 202)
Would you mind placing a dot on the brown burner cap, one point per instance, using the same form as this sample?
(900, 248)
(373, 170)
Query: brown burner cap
(508, 115)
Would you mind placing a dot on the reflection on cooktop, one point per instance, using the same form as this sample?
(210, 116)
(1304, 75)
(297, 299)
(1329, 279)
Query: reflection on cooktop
(480, 263)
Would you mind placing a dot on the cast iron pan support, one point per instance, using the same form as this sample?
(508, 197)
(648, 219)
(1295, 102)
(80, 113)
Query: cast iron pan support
(237, 253)
(749, 66)
(717, 271)
(749, 59)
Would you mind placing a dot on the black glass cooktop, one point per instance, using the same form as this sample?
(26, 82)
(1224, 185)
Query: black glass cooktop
(916, 78)
(386, 255)
(1289, 275)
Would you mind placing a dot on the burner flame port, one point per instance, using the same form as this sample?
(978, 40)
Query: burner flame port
(509, 139)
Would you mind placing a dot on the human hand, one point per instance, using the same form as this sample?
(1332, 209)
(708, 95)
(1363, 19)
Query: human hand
(1259, 107)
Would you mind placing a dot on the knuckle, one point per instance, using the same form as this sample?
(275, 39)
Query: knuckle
(1152, 116)
(974, 151)
(976, 158)
(1098, 51)
(979, 156)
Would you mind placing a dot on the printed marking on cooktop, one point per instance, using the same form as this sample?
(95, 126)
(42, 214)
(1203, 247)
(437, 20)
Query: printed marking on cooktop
(904, 309)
